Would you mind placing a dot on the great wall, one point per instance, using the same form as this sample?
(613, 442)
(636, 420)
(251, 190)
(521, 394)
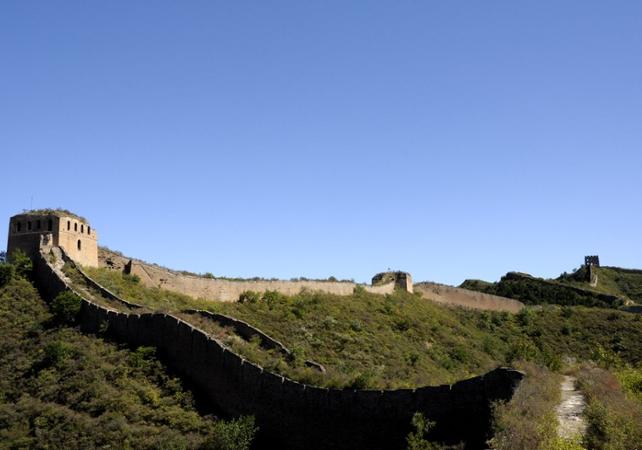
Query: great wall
(290, 414)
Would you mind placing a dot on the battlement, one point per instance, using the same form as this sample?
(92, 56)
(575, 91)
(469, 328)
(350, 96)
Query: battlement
(60, 228)
(592, 260)
(402, 280)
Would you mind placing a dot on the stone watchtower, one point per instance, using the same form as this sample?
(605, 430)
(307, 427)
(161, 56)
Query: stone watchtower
(61, 228)
(402, 280)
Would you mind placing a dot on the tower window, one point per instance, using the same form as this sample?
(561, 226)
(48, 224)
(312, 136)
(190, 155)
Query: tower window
(82, 228)
(68, 225)
(79, 245)
(19, 227)
(49, 225)
(88, 229)
(29, 225)
(76, 226)
(38, 225)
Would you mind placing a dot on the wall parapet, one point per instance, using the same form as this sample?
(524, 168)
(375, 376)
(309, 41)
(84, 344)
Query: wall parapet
(229, 290)
(291, 414)
(466, 298)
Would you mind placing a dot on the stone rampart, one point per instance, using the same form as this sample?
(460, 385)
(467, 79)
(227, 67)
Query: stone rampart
(450, 295)
(226, 290)
(290, 414)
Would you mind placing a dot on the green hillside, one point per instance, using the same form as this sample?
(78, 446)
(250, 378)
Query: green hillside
(63, 389)
(403, 340)
(625, 283)
(615, 288)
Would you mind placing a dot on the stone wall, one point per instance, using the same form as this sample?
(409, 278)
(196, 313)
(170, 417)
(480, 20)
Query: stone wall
(224, 290)
(75, 236)
(450, 295)
(290, 414)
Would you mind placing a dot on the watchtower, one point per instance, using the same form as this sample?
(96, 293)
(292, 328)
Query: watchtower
(62, 228)
(402, 280)
(592, 260)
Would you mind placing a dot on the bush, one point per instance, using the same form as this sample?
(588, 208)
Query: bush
(416, 439)
(528, 421)
(22, 263)
(7, 272)
(66, 307)
(249, 297)
(614, 421)
(233, 435)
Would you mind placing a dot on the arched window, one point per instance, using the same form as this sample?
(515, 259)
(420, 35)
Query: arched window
(69, 225)
(88, 230)
(76, 226)
(79, 245)
(29, 225)
(82, 228)
(19, 227)
(38, 225)
(49, 225)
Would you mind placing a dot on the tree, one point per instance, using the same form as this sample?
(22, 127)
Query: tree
(66, 307)
(22, 263)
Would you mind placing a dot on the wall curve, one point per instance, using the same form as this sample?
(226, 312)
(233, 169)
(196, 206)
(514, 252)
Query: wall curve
(290, 414)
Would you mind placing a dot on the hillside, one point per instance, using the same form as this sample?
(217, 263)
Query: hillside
(612, 287)
(58, 387)
(401, 340)
(625, 283)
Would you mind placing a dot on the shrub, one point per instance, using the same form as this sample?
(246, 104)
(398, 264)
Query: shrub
(249, 297)
(55, 353)
(22, 263)
(233, 435)
(528, 421)
(614, 421)
(416, 439)
(272, 297)
(7, 272)
(66, 307)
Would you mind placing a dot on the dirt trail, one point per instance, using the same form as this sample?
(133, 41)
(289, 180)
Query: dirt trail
(569, 412)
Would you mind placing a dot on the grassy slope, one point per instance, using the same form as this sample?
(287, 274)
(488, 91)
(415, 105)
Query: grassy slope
(623, 283)
(401, 340)
(611, 280)
(62, 389)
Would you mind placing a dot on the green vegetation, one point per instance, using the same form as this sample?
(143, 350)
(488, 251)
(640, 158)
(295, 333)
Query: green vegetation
(528, 421)
(62, 389)
(55, 212)
(402, 340)
(615, 287)
(535, 291)
(66, 307)
(614, 421)
(625, 283)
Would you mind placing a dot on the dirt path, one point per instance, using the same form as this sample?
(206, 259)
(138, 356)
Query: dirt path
(569, 412)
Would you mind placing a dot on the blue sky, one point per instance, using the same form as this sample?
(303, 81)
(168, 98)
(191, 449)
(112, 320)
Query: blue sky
(450, 139)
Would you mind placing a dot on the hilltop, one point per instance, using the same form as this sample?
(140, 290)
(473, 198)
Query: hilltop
(607, 287)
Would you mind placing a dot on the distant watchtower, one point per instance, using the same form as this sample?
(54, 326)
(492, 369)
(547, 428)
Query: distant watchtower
(592, 260)
(402, 280)
(62, 228)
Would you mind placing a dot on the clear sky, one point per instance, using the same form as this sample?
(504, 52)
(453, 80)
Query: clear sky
(450, 139)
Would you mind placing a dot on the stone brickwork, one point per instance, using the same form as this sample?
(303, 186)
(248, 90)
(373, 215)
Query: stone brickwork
(226, 290)
(75, 235)
(290, 414)
(454, 296)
